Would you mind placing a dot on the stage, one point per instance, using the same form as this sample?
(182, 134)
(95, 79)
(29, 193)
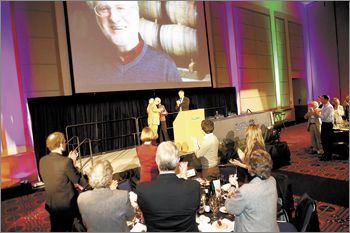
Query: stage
(126, 159)
(121, 160)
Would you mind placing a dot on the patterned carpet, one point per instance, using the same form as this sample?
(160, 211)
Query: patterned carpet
(27, 213)
(332, 218)
(301, 162)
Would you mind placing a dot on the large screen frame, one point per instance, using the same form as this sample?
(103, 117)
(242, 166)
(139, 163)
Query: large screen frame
(107, 87)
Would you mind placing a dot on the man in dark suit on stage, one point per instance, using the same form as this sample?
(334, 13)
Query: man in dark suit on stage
(60, 178)
(169, 203)
(182, 104)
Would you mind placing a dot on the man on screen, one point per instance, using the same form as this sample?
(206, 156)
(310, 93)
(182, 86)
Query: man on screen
(135, 61)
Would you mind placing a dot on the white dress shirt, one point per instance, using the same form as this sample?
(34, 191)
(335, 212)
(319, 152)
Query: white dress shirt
(327, 114)
(208, 151)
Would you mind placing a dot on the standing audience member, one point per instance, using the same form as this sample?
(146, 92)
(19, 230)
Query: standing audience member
(314, 127)
(254, 141)
(169, 203)
(319, 101)
(338, 111)
(149, 113)
(147, 156)
(346, 107)
(154, 115)
(105, 208)
(207, 152)
(327, 117)
(255, 204)
(60, 178)
(183, 103)
(163, 126)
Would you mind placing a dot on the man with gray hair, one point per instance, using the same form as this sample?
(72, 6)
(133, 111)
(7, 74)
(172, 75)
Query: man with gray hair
(137, 61)
(105, 208)
(314, 127)
(169, 203)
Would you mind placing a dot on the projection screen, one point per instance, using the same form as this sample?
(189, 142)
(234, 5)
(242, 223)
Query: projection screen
(126, 45)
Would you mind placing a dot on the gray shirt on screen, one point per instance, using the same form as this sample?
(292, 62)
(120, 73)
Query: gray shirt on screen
(150, 66)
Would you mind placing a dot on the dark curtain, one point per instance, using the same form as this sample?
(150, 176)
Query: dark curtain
(113, 115)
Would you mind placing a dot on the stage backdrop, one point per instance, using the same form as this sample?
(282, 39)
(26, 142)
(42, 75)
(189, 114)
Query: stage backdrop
(55, 113)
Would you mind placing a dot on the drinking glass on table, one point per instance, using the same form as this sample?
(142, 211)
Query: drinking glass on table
(138, 216)
(214, 204)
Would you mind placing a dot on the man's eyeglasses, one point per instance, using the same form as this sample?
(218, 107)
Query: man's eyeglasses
(106, 11)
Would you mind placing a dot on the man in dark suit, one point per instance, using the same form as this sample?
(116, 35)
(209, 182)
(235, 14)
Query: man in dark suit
(60, 178)
(169, 203)
(182, 104)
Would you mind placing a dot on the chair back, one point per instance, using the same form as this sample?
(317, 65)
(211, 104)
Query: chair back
(285, 195)
(309, 212)
(226, 170)
(306, 218)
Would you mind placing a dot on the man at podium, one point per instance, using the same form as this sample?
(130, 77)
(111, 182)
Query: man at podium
(182, 104)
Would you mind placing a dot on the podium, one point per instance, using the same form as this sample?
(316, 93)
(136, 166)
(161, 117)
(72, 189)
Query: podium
(187, 125)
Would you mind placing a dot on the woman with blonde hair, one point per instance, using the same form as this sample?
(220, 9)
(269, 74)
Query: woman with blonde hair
(254, 141)
(147, 154)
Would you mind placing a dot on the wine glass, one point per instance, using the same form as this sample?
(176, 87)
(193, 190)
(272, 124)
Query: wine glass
(214, 204)
(202, 204)
(138, 216)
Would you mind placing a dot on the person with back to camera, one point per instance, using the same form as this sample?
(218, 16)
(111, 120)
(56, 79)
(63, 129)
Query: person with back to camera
(60, 178)
(163, 133)
(149, 114)
(207, 152)
(105, 208)
(169, 203)
(183, 103)
(154, 115)
(314, 128)
(136, 61)
(147, 154)
(254, 141)
(255, 204)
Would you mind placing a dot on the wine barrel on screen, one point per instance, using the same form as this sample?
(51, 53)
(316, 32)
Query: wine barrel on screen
(149, 32)
(182, 12)
(178, 39)
(150, 9)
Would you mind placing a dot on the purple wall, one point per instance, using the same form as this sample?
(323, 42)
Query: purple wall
(323, 49)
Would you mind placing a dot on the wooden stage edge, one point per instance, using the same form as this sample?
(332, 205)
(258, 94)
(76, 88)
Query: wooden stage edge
(121, 160)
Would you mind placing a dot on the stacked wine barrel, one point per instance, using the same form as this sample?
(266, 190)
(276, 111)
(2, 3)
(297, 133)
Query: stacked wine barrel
(177, 34)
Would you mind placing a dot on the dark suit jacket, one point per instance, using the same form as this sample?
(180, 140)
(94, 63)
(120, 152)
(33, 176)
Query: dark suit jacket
(59, 176)
(169, 203)
(185, 105)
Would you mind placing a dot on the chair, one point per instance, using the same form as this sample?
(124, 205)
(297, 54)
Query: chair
(285, 196)
(226, 170)
(306, 218)
(286, 227)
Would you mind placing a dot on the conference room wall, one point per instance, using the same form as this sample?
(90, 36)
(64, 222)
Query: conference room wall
(38, 57)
